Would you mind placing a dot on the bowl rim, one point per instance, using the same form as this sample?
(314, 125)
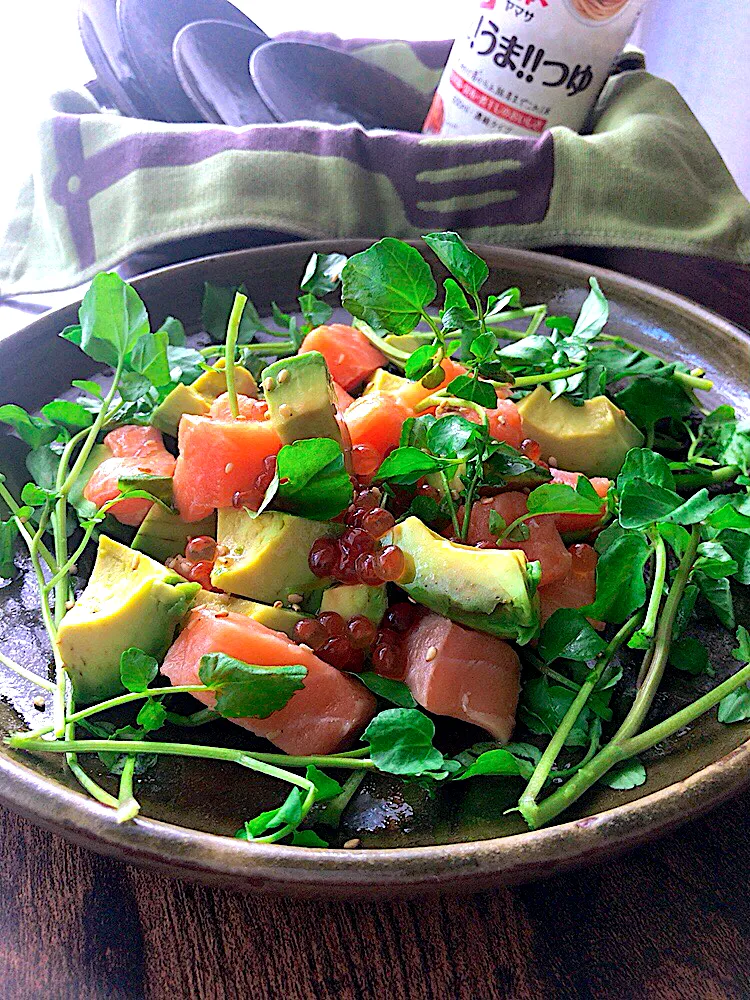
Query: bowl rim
(317, 872)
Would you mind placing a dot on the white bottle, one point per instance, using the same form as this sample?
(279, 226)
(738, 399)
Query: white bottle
(526, 65)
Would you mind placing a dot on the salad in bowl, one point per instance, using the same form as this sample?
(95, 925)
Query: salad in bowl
(426, 542)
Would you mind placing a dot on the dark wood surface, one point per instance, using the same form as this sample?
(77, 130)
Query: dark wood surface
(669, 921)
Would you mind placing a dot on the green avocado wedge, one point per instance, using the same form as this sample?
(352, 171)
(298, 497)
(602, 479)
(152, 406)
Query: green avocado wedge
(163, 534)
(130, 600)
(490, 590)
(279, 619)
(350, 600)
(301, 398)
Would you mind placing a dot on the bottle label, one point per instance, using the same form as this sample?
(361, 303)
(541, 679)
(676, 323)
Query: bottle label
(526, 65)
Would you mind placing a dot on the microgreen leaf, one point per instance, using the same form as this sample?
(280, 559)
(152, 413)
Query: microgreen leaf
(474, 390)
(625, 775)
(543, 706)
(71, 416)
(643, 503)
(289, 813)
(315, 311)
(325, 788)
(690, 656)
(593, 316)
(470, 270)
(500, 763)
(244, 690)
(137, 669)
(401, 742)
(389, 690)
(620, 587)
(215, 310)
(452, 435)
(421, 362)
(719, 596)
(113, 319)
(152, 715)
(323, 273)
(388, 286)
(407, 465)
(312, 479)
(567, 633)
(32, 430)
(642, 463)
(737, 544)
(559, 498)
(149, 358)
(649, 399)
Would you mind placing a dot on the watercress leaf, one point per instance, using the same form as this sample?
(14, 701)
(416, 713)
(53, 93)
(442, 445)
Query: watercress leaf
(559, 498)
(530, 351)
(71, 416)
(504, 463)
(608, 536)
(676, 536)
(642, 463)
(312, 477)
(496, 524)
(736, 450)
(690, 656)
(8, 536)
(620, 586)
(216, 307)
(643, 503)
(315, 311)
(497, 304)
(133, 386)
(388, 286)
(152, 715)
(160, 487)
(322, 273)
(384, 687)
(714, 560)
(42, 464)
(307, 838)
(401, 742)
(593, 316)
(32, 430)
(73, 334)
(406, 465)
(499, 763)
(697, 508)
(452, 436)
(719, 596)
(562, 323)
(543, 706)
(475, 390)
(483, 346)
(457, 314)
(567, 633)
(414, 431)
(426, 509)
(731, 512)
(281, 319)
(113, 319)
(742, 652)
(325, 788)
(86, 385)
(625, 775)
(289, 813)
(36, 496)
(649, 399)
(244, 690)
(185, 364)
(737, 544)
(149, 358)
(137, 669)
(421, 362)
(470, 270)
(735, 707)
(174, 330)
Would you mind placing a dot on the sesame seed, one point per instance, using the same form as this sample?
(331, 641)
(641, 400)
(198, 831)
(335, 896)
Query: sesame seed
(296, 607)
(269, 384)
(74, 567)
(278, 604)
(552, 461)
(199, 607)
(222, 550)
(285, 411)
(303, 645)
(229, 467)
(221, 614)
(283, 376)
(431, 653)
(70, 604)
(351, 844)
(39, 703)
(294, 598)
(134, 564)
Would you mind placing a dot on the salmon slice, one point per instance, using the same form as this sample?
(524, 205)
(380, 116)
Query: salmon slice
(375, 420)
(343, 399)
(504, 422)
(136, 450)
(218, 458)
(576, 589)
(326, 715)
(454, 671)
(249, 408)
(543, 544)
(573, 523)
(350, 356)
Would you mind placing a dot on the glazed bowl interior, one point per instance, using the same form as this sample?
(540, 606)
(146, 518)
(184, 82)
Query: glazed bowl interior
(410, 840)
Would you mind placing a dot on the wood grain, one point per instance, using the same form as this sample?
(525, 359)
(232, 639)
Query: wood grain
(670, 921)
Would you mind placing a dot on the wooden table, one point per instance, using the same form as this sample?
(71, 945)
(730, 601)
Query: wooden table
(670, 920)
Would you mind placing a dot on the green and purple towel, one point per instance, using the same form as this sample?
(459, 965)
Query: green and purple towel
(106, 189)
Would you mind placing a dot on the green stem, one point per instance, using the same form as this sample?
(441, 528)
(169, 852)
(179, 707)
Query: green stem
(15, 508)
(696, 480)
(662, 643)
(394, 354)
(474, 481)
(451, 505)
(199, 718)
(693, 381)
(26, 674)
(526, 380)
(127, 805)
(657, 586)
(541, 771)
(233, 329)
(590, 753)
(71, 759)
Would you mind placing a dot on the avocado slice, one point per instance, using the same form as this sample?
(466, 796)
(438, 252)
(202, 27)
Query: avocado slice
(198, 397)
(130, 600)
(385, 381)
(349, 600)
(593, 438)
(266, 557)
(490, 590)
(164, 534)
(301, 398)
(279, 619)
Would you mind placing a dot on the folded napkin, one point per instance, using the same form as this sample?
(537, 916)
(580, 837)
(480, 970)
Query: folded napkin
(105, 188)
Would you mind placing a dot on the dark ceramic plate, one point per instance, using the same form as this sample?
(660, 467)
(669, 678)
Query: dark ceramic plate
(97, 23)
(461, 840)
(149, 28)
(300, 81)
(211, 59)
